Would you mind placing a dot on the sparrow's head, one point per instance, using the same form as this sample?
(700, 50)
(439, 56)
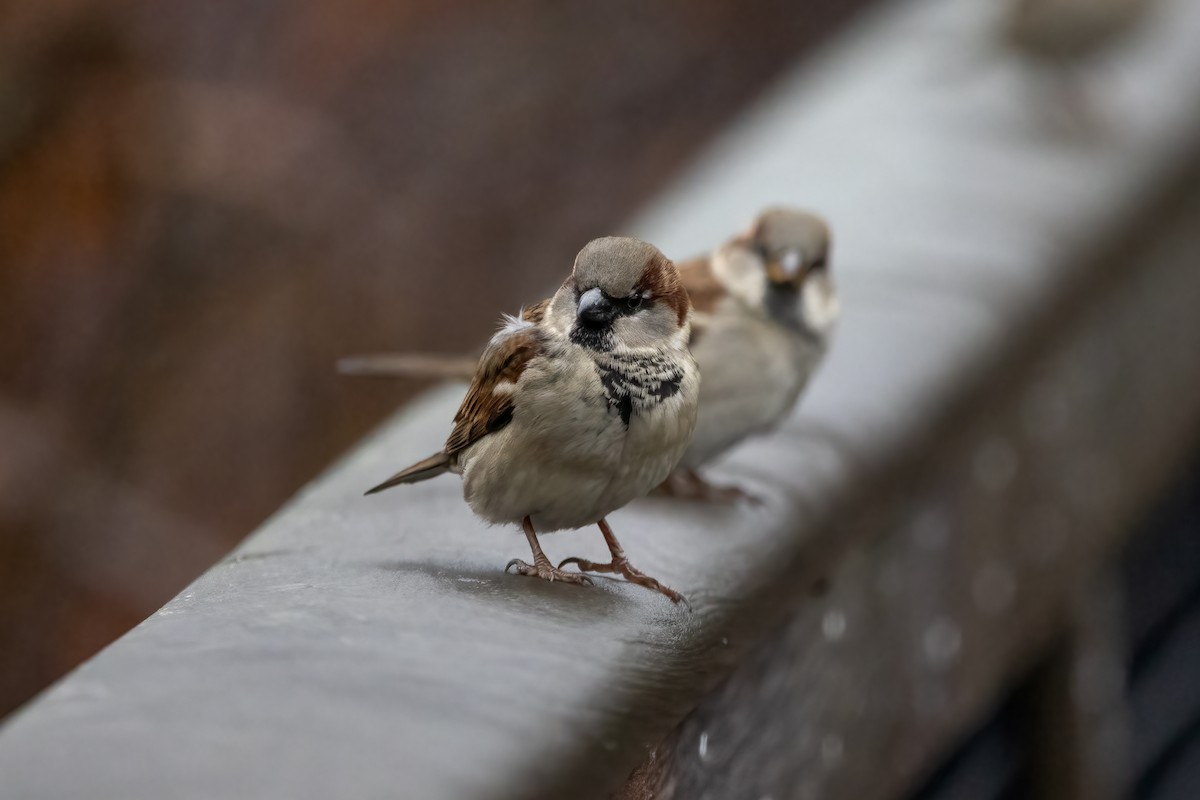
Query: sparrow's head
(623, 293)
(792, 245)
(781, 265)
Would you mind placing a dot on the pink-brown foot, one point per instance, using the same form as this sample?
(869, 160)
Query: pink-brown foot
(689, 485)
(631, 573)
(727, 494)
(543, 569)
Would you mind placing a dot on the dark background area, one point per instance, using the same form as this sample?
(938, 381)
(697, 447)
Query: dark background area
(1159, 575)
(202, 206)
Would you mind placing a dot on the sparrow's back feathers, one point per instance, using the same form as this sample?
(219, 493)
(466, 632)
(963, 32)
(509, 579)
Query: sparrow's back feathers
(488, 405)
(426, 366)
(536, 312)
(703, 287)
(1071, 30)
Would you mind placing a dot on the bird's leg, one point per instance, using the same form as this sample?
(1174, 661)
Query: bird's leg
(687, 484)
(621, 564)
(541, 567)
(713, 493)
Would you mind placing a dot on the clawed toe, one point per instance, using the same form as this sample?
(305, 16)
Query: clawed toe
(587, 566)
(631, 574)
(547, 572)
(541, 568)
(729, 494)
(689, 485)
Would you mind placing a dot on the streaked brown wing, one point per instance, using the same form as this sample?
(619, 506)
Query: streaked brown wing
(536, 312)
(703, 288)
(485, 410)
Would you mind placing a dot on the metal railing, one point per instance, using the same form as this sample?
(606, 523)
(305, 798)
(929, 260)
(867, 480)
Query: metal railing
(1011, 384)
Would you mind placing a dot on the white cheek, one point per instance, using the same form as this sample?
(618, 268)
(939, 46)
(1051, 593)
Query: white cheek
(679, 340)
(743, 274)
(821, 306)
(651, 327)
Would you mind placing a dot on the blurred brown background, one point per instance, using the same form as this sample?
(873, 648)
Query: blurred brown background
(203, 205)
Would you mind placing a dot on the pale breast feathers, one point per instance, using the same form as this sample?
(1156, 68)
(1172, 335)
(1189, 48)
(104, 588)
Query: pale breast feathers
(488, 406)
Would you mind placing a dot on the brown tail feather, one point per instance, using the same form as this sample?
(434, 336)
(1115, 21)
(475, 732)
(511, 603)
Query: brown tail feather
(414, 366)
(423, 470)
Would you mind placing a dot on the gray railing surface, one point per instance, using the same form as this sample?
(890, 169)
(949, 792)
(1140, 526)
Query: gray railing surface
(1014, 378)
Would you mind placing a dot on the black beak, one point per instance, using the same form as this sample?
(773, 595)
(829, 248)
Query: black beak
(595, 309)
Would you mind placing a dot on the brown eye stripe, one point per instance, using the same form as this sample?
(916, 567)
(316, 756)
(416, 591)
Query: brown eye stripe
(661, 279)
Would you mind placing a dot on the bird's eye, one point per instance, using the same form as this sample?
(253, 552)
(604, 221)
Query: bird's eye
(633, 302)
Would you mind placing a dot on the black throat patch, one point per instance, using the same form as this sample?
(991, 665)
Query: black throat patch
(598, 339)
(636, 383)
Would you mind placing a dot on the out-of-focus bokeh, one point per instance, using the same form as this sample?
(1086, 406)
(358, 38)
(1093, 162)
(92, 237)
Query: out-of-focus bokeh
(202, 206)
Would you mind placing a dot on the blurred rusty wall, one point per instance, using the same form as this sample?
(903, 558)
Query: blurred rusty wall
(203, 205)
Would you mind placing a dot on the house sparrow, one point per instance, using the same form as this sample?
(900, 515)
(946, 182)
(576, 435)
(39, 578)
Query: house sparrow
(1062, 37)
(583, 403)
(765, 309)
(1066, 31)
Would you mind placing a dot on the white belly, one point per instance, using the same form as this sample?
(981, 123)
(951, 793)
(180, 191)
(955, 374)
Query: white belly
(567, 459)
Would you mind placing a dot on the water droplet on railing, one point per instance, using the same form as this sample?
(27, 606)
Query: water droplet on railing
(942, 642)
(833, 625)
